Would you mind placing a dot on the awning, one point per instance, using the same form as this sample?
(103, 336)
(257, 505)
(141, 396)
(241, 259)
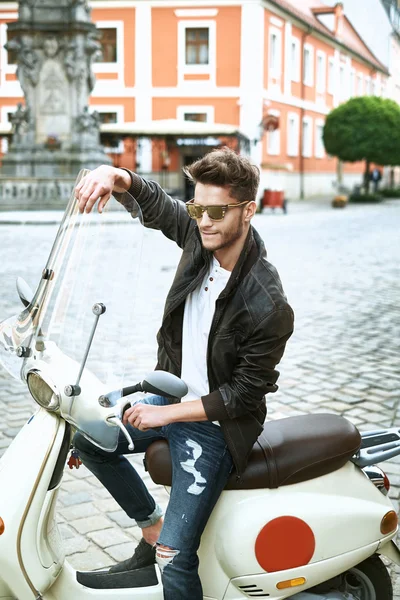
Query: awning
(161, 128)
(173, 127)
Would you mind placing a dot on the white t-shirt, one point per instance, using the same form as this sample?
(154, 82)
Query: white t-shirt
(197, 319)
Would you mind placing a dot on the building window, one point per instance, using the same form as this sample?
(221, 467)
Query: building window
(293, 134)
(319, 142)
(360, 85)
(295, 59)
(308, 65)
(274, 138)
(197, 113)
(273, 142)
(352, 83)
(307, 137)
(197, 46)
(368, 86)
(275, 53)
(12, 56)
(321, 72)
(108, 114)
(344, 92)
(108, 40)
(197, 117)
(331, 75)
(108, 117)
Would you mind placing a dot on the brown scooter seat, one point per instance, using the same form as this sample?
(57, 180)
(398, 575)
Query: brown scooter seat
(288, 451)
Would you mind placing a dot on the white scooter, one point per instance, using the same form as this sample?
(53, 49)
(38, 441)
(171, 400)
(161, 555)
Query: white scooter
(307, 520)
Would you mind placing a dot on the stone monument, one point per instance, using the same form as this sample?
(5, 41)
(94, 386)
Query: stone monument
(54, 134)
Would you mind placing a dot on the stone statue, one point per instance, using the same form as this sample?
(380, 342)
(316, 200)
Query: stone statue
(55, 45)
(94, 54)
(88, 122)
(81, 10)
(19, 118)
(74, 61)
(87, 126)
(50, 46)
(29, 64)
(22, 125)
(25, 9)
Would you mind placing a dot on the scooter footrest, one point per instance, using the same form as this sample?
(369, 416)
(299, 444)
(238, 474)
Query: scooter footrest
(104, 580)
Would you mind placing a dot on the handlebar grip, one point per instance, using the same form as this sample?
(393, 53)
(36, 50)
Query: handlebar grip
(128, 405)
(132, 389)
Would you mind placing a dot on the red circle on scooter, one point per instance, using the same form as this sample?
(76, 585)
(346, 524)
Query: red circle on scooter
(284, 543)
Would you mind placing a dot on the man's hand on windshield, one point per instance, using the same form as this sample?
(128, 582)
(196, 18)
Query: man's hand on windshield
(147, 416)
(98, 185)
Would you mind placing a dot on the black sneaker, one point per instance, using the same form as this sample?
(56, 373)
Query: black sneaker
(144, 555)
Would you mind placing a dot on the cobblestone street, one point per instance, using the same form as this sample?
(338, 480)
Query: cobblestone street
(341, 272)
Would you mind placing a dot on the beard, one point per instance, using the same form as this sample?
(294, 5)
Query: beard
(223, 239)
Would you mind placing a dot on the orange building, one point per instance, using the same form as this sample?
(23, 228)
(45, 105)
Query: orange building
(178, 78)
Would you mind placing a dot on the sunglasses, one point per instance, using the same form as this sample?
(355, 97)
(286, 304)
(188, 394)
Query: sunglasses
(215, 212)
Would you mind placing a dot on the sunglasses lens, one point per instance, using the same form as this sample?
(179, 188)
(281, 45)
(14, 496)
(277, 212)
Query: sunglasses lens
(216, 213)
(193, 211)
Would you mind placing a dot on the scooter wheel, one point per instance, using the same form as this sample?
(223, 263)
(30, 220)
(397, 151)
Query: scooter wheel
(369, 580)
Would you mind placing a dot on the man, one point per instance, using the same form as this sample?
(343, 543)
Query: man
(376, 176)
(224, 330)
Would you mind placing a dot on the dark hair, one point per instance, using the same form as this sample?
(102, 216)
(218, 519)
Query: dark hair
(225, 168)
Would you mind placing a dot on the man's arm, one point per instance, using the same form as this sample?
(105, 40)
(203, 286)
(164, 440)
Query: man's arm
(159, 211)
(146, 416)
(255, 373)
(254, 376)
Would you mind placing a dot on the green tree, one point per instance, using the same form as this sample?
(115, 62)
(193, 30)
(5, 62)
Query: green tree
(365, 128)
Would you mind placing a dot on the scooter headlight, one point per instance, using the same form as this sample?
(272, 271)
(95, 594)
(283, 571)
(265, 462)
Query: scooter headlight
(41, 392)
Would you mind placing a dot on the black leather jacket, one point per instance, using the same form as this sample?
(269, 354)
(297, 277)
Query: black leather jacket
(251, 325)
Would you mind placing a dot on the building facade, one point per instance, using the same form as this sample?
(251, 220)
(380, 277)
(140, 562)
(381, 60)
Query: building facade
(177, 76)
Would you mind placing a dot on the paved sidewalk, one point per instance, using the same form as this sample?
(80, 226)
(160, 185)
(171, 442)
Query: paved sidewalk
(340, 270)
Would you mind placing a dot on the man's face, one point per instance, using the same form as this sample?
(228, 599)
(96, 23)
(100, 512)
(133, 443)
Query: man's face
(216, 235)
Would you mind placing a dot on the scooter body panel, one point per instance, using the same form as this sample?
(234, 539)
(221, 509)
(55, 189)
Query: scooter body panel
(5, 591)
(342, 512)
(26, 468)
(314, 573)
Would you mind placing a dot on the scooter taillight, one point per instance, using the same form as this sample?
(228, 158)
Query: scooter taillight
(386, 482)
(389, 522)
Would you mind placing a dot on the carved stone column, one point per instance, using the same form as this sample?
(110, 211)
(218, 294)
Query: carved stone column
(55, 135)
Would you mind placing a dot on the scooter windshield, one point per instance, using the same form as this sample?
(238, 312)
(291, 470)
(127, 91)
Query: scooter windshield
(76, 334)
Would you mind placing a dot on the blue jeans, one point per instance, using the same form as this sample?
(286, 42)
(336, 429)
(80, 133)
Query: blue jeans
(201, 464)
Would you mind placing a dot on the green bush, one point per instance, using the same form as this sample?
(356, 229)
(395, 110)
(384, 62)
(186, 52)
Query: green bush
(391, 193)
(365, 198)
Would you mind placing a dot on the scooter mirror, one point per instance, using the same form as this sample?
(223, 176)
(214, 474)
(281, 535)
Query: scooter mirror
(164, 384)
(24, 292)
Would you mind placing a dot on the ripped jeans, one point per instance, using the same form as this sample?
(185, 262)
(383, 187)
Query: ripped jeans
(201, 464)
